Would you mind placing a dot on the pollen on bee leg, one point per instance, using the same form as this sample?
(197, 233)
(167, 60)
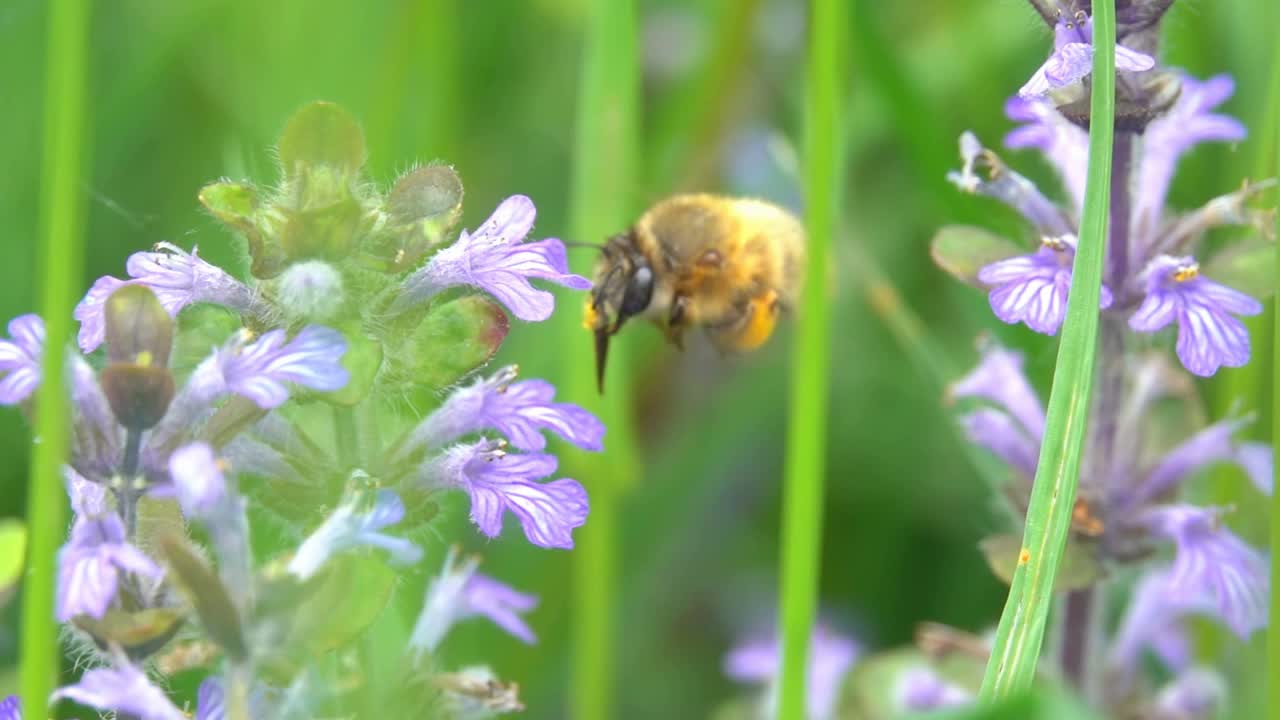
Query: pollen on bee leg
(762, 317)
(590, 316)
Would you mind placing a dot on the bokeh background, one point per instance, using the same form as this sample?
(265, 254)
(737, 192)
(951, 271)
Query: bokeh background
(184, 93)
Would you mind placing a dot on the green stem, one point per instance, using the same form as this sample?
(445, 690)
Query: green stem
(61, 218)
(346, 437)
(807, 429)
(1273, 634)
(1020, 633)
(601, 203)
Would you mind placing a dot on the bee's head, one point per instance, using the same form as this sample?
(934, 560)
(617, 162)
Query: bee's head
(623, 289)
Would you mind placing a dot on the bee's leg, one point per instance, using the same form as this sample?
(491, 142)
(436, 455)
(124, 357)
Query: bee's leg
(753, 327)
(676, 321)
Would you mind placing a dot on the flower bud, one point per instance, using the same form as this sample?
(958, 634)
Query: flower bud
(433, 192)
(322, 133)
(139, 336)
(311, 291)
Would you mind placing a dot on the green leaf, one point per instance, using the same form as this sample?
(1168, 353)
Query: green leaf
(1020, 633)
(472, 327)
(354, 590)
(1247, 267)
(236, 206)
(13, 555)
(1079, 569)
(322, 133)
(962, 250)
(362, 360)
(206, 593)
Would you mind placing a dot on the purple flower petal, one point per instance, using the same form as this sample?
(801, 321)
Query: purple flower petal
(352, 526)
(999, 379)
(1072, 59)
(260, 369)
(10, 708)
(1213, 444)
(519, 410)
(20, 359)
(1211, 557)
(197, 479)
(88, 498)
(1195, 693)
(919, 689)
(1258, 461)
(984, 174)
(90, 563)
(1153, 621)
(1063, 143)
(498, 482)
(124, 689)
(1209, 336)
(211, 700)
(1032, 289)
(500, 603)
(496, 260)
(1005, 438)
(831, 655)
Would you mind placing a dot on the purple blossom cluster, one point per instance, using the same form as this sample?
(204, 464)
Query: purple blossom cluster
(144, 433)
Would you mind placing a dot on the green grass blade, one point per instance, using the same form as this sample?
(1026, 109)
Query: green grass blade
(1021, 631)
(601, 203)
(1273, 633)
(61, 225)
(807, 427)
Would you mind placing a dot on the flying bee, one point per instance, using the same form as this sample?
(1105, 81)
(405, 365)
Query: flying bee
(727, 265)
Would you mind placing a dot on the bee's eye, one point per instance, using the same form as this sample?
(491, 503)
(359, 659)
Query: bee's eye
(639, 291)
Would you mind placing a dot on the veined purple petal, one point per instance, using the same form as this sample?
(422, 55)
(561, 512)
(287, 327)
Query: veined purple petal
(1072, 58)
(20, 359)
(1213, 444)
(1153, 621)
(496, 260)
(1209, 336)
(1032, 289)
(498, 482)
(90, 563)
(259, 370)
(519, 410)
(983, 173)
(1211, 556)
(89, 311)
(920, 689)
(999, 379)
(123, 689)
(352, 526)
(1189, 122)
(88, 499)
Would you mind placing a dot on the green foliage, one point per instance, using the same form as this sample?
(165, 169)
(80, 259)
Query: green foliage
(963, 250)
(13, 551)
(1079, 567)
(1247, 267)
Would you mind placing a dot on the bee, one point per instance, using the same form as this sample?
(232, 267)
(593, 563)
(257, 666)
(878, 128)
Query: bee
(726, 265)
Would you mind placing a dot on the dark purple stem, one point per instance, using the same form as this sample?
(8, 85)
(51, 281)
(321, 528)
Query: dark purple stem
(1118, 240)
(1077, 618)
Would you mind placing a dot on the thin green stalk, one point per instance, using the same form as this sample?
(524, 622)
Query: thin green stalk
(807, 426)
(1021, 630)
(61, 221)
(1273, 634)
(601, 203)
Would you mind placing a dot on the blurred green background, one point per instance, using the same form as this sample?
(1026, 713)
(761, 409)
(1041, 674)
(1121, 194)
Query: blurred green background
(184, 93)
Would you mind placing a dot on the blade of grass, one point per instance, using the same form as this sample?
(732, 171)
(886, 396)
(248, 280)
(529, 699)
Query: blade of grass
(601, 201)
(1021, 630)
(1273, 631)
(61, 218)
(805, 468)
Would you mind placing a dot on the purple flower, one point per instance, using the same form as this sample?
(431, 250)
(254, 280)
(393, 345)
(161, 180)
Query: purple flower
(178, 279)
(352, 526)
(1033, 288)
(258, 370)
(1195, 693)
(20, 359)
(211, 700)
(519, 410)
(497, 482)
(1064, 144)
(10, 709)
(1153, 621)
(497, 260)
(1209, 337)
(1187, 123)
(920, 688)
(1213, 444)
(1072, 58)
(458, 593)
(999, 380)
(1004, 437)
(831, 655)
(1000, 182)
(89, 565)
(197, 480)
(123, 689)
(1210, 557)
